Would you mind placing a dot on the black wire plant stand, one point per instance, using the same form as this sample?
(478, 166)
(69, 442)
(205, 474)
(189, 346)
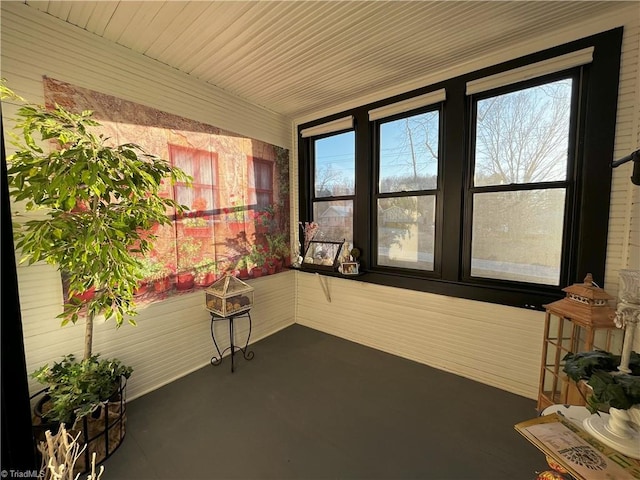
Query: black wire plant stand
(102, 431)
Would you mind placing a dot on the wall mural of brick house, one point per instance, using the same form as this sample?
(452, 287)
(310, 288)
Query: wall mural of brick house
(238, 204)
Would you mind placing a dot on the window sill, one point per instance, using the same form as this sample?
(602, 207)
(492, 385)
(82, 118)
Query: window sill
(510, 296)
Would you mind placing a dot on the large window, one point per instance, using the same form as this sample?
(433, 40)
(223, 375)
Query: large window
(493, 185)
(407, 187)
(522, 145)
(334, 185)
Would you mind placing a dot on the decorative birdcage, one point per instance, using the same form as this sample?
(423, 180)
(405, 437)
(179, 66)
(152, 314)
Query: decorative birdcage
(229, 296)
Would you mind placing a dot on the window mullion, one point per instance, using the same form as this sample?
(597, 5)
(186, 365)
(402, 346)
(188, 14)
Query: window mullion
(452, 184)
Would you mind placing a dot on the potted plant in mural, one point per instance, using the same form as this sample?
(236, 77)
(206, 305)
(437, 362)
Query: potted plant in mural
(262, 220)
(205, 272)
(234, 216)
(189, 251)
(242, 268)
(159, 275)
(270, 266)
(145, 272)
(195, 224)
(258, 258)
(278, 249)
(96, 204)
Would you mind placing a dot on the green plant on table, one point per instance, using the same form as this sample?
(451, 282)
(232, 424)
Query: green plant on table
(610, 388)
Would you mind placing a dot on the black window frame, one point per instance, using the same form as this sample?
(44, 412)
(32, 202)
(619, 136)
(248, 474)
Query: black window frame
(569, 184)
(314, 199)
(586, 243)
(436, 192)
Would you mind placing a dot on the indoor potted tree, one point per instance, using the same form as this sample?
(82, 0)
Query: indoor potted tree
(98, 203)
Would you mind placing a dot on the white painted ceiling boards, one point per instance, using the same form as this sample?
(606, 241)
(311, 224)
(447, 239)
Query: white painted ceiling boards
(301, 57)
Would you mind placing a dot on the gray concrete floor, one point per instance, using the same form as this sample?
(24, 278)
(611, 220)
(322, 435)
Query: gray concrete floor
(314, 406)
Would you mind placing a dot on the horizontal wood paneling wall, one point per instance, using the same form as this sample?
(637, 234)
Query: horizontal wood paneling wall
(623, 246)
(172, 338)
(493, 344)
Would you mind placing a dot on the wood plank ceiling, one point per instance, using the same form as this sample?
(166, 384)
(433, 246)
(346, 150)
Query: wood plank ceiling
(300, 57)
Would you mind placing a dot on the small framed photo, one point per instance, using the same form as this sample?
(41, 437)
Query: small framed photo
(322, 255)
(350, 268)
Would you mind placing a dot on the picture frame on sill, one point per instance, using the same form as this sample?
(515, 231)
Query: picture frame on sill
(350, 268)
(322, 255)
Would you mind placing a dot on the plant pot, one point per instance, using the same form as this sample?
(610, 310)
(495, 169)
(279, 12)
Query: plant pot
(271, 269)
(102, 431)
(243, 274)
(184, 281)
(205, 280)
(236, 227)
(256, 272)
(162, 285)
(143, 287)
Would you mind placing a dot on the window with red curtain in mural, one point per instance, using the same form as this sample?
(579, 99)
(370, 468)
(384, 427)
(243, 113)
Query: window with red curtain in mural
(195, 230)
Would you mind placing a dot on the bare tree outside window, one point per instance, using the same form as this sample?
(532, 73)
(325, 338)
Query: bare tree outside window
(408, 163)
(409, 153)
(334, 173)
(334, 176)
(521, 138)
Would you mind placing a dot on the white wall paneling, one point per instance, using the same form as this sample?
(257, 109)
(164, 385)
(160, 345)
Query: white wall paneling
(493, 344)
